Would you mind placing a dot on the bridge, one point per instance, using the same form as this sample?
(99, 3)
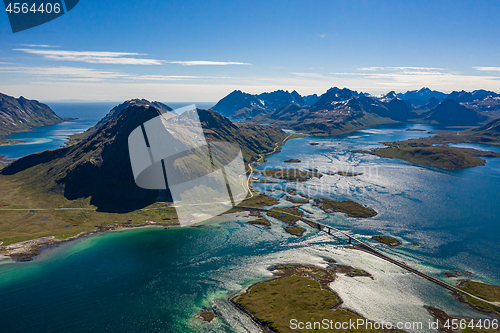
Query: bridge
(363, 246)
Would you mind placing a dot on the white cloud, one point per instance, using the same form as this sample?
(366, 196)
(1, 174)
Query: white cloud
(65, 73)
(116, 58)
(322, 35)
(39, 45)
(202, 62)
(487, 69)
(310, 75)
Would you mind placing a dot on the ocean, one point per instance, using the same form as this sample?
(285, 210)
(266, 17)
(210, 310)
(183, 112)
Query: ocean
(156, 280)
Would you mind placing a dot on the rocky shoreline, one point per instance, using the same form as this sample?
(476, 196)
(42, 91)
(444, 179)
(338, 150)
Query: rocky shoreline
(324, 276)
(27, 250)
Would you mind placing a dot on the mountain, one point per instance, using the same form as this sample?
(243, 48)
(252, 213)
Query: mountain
(397, 108)
(255, 104)
(422, 96)
(21, 114)
(310, 99)
(115, 112)
(98, 167)
(466, 97)
(449, 112)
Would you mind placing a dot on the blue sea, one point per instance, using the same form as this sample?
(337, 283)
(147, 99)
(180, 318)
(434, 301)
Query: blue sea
(156, 280)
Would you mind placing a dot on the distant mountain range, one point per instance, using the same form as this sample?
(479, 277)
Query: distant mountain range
(97, 165)
(21, 114)
(343, 110)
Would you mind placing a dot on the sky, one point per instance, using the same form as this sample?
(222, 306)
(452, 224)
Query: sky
(194, 51)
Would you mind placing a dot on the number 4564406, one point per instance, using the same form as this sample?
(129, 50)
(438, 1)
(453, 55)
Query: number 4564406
(24, 8)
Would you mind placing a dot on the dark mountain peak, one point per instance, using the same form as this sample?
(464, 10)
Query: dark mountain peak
(389, 97)
(125, 105)
(310, 99)
(424, 90)
(297, 98)
(450, 112)
(99, 165)
(331, 96)
(421, 96)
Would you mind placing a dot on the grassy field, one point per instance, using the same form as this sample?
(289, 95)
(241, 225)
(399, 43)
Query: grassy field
(296, 231)
(486, 291)
(275, 303)
(260, 221)
(283, 214)
(387, 240)
(17, 226)
(291, 174)
(351, 208)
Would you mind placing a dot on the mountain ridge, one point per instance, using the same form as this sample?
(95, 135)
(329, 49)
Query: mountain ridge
(21, 114)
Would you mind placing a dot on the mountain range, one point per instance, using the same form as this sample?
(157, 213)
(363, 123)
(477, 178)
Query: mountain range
(97, 165)
(21, 114)
(343, 110)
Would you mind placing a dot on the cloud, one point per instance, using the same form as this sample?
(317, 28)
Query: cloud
(487, 69)
(38, 45)
(202, 62)
(65, 73)
(89, 74)
(323, 35)
(310, 75)
(399, 69)
(116, 58)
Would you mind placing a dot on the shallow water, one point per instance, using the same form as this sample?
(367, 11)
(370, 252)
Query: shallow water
(151, 279)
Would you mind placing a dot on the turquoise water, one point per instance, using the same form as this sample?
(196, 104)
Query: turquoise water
(156, 280)
(54, 136)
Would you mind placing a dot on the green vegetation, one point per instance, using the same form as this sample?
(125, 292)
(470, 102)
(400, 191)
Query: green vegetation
(291, 174)
(296, 201)
(261, 221)
(348, 174)
(4, 142)
(18, 226)
(485, 291)
(387, 240)
(296, 231)
(286, 214)
(21, 114)
(275, 303)
(293, 160)
(441, 156)
(258, 200)
(351, 208)
(344, 173)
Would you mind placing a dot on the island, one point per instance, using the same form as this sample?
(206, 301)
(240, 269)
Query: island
(487, 292)
(415, 130)
(344, 173)
(314, 143)
(260, 221)
(440, 156)
(351, 208)
(291, 174)
(387, 240)
(296, 231)
(288, 215)
(297, 294)
(296, 201)
(6, 142)
(293, 160)
(206, 315)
